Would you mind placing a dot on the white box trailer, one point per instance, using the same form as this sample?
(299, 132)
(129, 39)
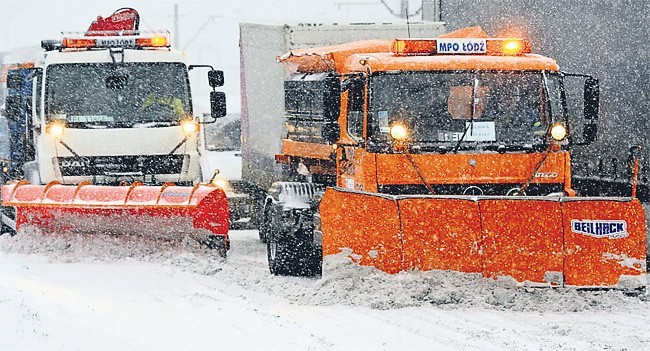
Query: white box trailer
(262, 80)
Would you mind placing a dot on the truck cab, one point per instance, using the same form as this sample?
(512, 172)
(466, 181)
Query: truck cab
(418, 120)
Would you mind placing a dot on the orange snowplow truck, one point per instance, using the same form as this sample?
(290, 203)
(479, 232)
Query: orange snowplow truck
(450, 153)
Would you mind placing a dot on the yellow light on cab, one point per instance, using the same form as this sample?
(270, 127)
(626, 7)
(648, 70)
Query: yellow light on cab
(558, 132)
(512, 46)
(159, 41)
(55, 129)
(189, 126)
(152, 42)
(398, 132)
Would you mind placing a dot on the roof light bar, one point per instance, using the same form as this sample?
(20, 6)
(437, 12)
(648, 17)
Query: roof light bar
(115, 40)
(461, 46)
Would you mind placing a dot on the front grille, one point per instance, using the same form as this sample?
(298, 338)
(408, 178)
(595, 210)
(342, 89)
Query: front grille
(115, 165)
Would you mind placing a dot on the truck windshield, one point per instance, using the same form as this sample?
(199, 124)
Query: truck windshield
(101, 95)
(497, 108)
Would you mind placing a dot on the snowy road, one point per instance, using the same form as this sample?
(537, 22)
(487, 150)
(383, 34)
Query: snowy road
(95, 293)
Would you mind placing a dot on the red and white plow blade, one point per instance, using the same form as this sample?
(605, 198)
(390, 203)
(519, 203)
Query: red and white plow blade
(168, 210)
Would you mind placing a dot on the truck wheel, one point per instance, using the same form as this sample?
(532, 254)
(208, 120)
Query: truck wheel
(292, 254)
(281, 254)
(315, 263)
(216, 243)
(8, 214)
(7, 230)
(264, 224)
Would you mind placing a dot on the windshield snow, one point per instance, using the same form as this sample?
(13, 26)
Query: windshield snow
(101, 95)
(436, 107)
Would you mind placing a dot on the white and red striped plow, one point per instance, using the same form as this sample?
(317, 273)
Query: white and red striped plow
(200, 212)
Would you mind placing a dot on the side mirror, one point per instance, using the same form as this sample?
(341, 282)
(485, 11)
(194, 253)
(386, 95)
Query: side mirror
(12, 107)
(14, 80)
(591, 109)
(331, 132)
(217, 104)
(215, 78)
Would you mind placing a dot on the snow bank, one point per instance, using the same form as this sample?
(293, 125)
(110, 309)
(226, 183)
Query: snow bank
(343, 282)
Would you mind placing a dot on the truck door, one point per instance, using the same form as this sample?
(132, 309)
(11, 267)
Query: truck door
(34, 114)
(352, 160)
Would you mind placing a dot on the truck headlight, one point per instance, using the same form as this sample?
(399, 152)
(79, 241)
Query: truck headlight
(398, 132)
(55, 129)
(189, 126)
(558, 132)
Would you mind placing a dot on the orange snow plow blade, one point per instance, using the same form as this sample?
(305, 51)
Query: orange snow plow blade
(546, 241)
(167, 211)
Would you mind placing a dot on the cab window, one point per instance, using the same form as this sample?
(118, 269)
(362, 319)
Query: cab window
(355, 107)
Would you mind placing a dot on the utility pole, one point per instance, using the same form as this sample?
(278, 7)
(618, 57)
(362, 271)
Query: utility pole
(431, 10)
(404, 9)
(176, 37)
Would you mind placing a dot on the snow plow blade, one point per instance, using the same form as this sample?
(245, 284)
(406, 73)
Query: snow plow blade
(545, 241)
(166, 211)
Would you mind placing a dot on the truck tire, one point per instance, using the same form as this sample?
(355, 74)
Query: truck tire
(7, 230)
(290, 257)
(291, 253)
(7, 215)
(216, 243)
(287, 225)
(264, 223)
(281, 253)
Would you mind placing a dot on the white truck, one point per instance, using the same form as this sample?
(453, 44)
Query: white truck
(108, 108)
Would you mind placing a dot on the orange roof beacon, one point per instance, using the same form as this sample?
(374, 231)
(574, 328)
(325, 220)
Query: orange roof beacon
(448, 153)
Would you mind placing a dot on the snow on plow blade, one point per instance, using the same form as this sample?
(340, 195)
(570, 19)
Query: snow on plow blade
(557, 241)
(167, 211)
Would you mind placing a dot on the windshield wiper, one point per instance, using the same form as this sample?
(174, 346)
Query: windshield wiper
(471, 115)
(471, 124)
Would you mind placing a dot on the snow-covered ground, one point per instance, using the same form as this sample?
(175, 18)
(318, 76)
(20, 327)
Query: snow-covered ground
(100, 293)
